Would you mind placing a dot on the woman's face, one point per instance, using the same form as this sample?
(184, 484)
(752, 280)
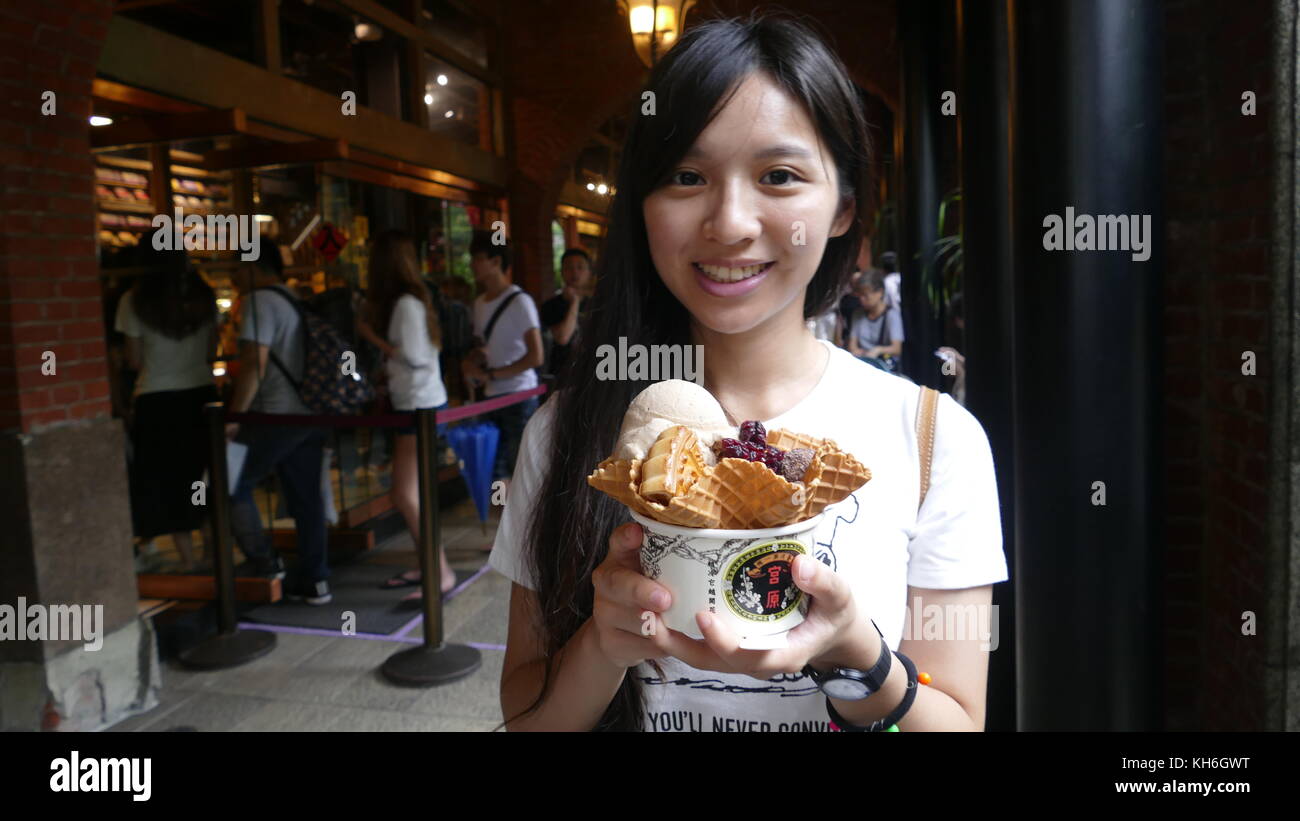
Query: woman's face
(740, 227)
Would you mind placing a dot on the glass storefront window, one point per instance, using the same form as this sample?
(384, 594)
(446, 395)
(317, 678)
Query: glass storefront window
(557, 251)
(456, 104)
(458, 233)
(457, 29)
(328, 46)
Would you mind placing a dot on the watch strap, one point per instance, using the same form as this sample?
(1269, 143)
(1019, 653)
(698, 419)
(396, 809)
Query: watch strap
(883, 724)
(873, 678)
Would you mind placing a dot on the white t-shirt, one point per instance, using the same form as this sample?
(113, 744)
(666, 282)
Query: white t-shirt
(874, 537)
(507, 344)
(166, 364)
(892, 285)
(414, 376)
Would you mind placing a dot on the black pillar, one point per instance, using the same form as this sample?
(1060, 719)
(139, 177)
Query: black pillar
(1087, 137)
(984, 108)
(919, 194)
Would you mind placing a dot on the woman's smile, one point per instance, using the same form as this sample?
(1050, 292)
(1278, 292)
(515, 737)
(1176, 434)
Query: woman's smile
(725, 281)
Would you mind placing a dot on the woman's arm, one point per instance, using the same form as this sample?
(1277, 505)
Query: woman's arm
(958, 666)
(368, 333)
(583, 681)
(564, 331)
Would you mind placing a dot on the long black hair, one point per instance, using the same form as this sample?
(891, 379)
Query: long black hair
(568, 535)
(171, 298)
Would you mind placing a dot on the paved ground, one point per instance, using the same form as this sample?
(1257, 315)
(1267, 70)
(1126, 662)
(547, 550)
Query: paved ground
(331, 682)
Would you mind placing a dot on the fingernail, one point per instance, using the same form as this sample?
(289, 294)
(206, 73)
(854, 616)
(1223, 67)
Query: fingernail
(705, 620)
(804, 571)
(659, 599)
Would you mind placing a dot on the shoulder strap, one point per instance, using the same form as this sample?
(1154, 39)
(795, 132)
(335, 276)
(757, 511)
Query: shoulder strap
(492, 323)
(925, 413)
(270, 349)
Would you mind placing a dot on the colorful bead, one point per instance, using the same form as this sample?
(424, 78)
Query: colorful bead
(924, 678)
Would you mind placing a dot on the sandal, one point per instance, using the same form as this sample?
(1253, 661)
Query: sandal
(401, 580)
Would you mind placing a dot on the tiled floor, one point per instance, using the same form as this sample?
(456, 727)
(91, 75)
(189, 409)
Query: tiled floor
(311, 682)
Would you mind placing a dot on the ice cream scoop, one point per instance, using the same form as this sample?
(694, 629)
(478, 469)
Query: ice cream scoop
(664, 405)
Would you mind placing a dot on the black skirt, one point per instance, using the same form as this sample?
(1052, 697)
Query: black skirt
(170, 447)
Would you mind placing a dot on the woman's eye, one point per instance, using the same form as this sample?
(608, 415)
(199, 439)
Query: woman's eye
(786, 176)
(686, 178)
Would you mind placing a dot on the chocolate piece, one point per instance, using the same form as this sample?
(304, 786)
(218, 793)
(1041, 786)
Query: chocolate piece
(795, 464)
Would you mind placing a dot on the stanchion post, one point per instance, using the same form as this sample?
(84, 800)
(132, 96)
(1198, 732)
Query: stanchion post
(219, 504)
(230, 647)
(433, 662)
(426, 443)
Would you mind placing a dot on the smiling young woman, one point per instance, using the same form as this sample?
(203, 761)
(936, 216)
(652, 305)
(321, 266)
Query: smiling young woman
(738, 217)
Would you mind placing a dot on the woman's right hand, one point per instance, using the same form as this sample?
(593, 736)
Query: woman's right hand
(627, 607)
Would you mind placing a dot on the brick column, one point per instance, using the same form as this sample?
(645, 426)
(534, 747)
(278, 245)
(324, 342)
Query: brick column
(63, 502)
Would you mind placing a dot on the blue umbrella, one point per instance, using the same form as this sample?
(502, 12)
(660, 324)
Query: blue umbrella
(475, 446)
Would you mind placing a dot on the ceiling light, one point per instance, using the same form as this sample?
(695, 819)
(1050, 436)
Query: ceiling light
(97, 120)
(602, 188)
(367, 32)
(428, 99)
(591, 186)
(442, 79)
(449, 114)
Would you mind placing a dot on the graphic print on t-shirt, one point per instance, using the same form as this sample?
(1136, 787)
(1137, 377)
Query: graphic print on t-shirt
(824, 552)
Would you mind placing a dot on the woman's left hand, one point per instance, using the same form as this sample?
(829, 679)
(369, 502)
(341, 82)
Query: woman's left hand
(832, 633)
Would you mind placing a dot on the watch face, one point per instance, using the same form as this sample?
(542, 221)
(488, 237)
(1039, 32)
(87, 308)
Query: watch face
(845, 689)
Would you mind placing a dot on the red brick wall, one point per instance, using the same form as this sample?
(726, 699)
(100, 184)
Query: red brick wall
(1216, 434)
(49, 273)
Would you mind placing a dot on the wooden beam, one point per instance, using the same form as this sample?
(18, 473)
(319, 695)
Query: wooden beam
(113, 92)
(204, 588)
(263, 156)
(417, 171)
(286, 541)
(164, 128)
(363, 173)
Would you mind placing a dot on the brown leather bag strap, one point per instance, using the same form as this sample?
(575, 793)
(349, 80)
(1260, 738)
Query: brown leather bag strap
(925, 410)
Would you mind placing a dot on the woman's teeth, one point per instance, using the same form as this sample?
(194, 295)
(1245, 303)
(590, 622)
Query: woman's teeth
(720, 274)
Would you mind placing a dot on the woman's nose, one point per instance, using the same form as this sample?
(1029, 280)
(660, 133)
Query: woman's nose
(733, 216)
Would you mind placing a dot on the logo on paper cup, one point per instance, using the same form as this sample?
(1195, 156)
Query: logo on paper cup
(759, 583)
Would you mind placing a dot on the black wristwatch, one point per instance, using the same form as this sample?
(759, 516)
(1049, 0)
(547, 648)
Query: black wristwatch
(848, 684)
(889, 721)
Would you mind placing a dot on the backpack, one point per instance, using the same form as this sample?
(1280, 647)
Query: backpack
(325, 388)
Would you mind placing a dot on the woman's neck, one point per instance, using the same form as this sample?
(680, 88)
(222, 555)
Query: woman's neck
(763, 372)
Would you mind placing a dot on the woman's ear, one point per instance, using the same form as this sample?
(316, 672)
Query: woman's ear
(848, 210)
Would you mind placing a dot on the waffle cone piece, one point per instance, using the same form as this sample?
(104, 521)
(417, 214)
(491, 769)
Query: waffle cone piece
(734, 494)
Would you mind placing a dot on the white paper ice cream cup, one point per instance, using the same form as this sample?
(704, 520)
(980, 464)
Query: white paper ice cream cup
(743, 576)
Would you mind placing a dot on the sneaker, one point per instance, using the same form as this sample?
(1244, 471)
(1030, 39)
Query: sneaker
(268, 567)
(316, 593)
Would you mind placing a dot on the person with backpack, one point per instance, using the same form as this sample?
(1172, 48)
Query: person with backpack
(273, 346)
(399, 301)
